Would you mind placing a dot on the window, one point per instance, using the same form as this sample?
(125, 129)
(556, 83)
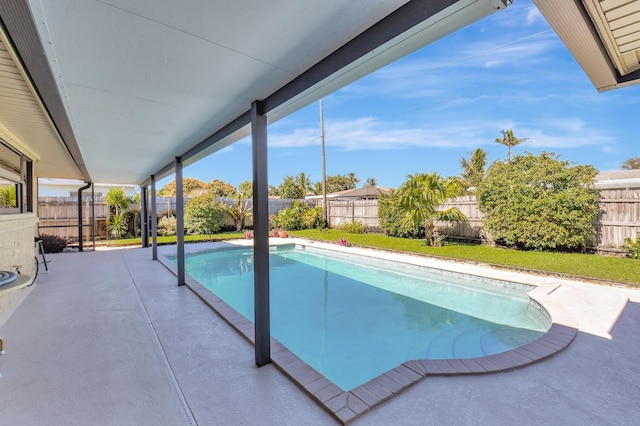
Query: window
(16, 178)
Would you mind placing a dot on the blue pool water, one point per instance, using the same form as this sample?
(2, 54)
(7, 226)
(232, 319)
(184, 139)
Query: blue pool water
(352, 321)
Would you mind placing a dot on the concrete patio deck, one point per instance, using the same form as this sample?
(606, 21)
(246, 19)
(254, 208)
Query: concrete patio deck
(107, 338)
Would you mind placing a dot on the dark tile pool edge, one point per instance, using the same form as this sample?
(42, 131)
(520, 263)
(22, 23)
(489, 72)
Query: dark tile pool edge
(346, 406)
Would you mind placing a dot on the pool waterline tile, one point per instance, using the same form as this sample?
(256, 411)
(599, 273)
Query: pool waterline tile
(346, 406)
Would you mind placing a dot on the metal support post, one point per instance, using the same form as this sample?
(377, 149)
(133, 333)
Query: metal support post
(180, 221)
(154, 220)
(261, 235)
(144, 216)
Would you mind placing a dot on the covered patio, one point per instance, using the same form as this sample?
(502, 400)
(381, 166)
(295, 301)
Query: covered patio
(117, 342)
(132, 92)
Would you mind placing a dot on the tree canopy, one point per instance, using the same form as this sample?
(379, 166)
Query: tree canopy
(191, 187)
(221, 189)
(539, 202)
(631, 163)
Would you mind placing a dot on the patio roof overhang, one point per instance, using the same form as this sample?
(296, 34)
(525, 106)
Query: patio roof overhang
(130, 86)
(603, 36)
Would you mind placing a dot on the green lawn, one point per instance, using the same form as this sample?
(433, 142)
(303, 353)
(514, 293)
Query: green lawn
(583, 265)
(187, 239)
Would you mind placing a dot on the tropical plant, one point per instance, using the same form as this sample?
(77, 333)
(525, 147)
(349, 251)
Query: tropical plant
(631, 163)
(245, 189)
(371, 181)
(539, 202)
(290, 188)
(633, 246)
(353, 227)
(167, 226)
(509, 141)
(204, 215)
(317, 188)
(353, 179)
(304, 182)
(339, 183)
(312, 218)
(273, 191)
(7, 196)
(117, 226)
(343, 242)
(52, 243)
(221, 189)
(117, 200)
(117, 220)
(473, 168)
(391, 218)
(292, 217)
(239, 211)
(422, 194)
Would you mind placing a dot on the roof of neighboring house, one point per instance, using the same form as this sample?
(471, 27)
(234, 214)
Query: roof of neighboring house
(618, 179)
(366, 192)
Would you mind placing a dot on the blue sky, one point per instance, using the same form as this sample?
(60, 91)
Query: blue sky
(429, 109)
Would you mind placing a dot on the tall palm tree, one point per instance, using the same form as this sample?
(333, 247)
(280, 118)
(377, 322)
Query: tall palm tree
(509, 141)
(473, 168)
(371, 181)
(421, 195)
(353, 179)
(304, 182)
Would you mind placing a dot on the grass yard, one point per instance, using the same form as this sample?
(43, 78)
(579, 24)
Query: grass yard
(187, 239)
(583, 265)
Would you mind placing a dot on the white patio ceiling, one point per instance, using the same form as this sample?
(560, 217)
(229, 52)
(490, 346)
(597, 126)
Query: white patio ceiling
(141, 82)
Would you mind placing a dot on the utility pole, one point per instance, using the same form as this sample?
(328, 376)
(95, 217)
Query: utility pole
(325, 207)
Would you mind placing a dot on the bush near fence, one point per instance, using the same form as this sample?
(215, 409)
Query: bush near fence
(619, 216)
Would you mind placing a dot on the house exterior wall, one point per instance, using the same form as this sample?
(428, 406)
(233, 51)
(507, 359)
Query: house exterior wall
(17, 248)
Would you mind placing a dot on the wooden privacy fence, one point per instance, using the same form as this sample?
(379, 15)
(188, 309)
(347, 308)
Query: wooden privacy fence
(363, 211)
(619, 218)
(59, 215)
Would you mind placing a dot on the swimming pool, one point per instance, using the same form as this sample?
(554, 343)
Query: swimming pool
(352, 319)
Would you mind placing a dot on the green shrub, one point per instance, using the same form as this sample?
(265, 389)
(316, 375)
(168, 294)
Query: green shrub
(539, 202)
(53, 243)
(312, 218)
(633, 246)
(204, 215)
(353, 227)
(167, 226)
(392, 218)
(291, 218)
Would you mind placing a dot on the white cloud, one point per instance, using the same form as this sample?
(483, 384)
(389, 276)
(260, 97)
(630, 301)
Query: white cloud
(533, 16)
(370, 133)
(565, 133)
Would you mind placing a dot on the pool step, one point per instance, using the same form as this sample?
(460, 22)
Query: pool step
(441, 346)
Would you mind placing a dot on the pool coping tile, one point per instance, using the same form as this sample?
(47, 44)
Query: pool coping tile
(346, 406)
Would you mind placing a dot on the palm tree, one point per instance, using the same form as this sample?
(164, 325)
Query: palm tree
(353, 179)
(371, 181)
(421, 195)
(509, 141)
(304, 182)
(473, 168)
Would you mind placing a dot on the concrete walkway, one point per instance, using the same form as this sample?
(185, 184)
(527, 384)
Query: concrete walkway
(107, 338)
